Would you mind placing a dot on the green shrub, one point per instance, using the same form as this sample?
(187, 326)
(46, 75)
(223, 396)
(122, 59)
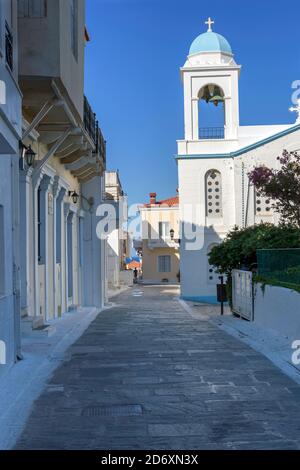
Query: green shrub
(238, 250)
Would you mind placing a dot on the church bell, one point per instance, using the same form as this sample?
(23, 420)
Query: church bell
(216, 99)
(212, 94)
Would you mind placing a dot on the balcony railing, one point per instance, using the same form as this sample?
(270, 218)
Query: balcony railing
(8, 47)
(100, 143)
(163, 243)
(211, 133)
(92, 127)
(89, 118)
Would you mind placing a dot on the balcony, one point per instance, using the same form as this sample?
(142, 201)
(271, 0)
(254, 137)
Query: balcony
(53, 102)
(89, 119)
(211, 133)
(92, 127)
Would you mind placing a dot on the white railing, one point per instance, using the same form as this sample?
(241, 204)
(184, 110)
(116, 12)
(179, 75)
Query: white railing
(163, 243)
(242, 294)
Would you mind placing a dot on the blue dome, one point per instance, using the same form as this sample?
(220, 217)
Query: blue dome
(210, 42)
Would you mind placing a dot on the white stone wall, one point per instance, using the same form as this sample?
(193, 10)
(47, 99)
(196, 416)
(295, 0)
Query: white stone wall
(278, 309)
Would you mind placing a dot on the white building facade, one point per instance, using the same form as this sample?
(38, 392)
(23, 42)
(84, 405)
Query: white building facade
(214, 161)
(117, 247)
(160, 241)
(10, 133)
(62, 259)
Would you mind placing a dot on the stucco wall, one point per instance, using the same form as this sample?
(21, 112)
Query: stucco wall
(54, 29)
(153, 246)
(278, 309)
(150, 264)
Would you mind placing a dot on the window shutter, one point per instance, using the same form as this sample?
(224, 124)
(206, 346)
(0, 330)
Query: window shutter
(164, 229)
(164, 264)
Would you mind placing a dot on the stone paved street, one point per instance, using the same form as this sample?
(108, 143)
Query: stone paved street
(147, 375)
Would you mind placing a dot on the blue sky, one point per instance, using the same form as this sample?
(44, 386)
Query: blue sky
(133, 82)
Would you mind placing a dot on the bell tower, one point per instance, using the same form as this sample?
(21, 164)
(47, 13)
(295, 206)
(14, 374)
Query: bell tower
(211, 80)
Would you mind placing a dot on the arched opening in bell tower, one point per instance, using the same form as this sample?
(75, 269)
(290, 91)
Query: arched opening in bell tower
(211, 112)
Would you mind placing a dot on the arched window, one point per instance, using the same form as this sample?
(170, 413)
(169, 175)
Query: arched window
(211, 112)
(213, 189)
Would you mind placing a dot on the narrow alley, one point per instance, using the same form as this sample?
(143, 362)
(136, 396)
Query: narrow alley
(147, 375)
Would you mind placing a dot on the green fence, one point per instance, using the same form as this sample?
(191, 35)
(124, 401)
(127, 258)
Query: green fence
(280, 265)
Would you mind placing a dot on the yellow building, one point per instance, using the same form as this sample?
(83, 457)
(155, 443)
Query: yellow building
(160, 245)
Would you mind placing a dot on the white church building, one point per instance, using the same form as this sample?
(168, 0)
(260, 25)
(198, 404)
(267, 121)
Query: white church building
(214, 160)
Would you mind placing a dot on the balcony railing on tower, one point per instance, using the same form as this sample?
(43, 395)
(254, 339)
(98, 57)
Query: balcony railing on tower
(8, 47)
(211, 133)
(92, 127)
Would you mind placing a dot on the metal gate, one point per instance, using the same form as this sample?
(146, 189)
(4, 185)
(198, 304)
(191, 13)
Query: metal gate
(242, 294)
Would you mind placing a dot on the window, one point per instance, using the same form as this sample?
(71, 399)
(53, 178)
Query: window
(32, 8)
(80, 240)
(164, 264)
(164, 230)
(2, 253)
(74, 27)
(70, 253)
(9, 52)
(41, 224)
(263, 205)
(213, 188)
(58, 230)
(212, 275)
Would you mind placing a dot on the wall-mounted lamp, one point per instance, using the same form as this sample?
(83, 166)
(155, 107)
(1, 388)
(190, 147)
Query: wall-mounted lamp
(30, 156)
(172, 233)
(27, 154)
(74, 196)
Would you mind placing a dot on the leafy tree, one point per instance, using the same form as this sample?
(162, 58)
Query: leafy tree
(239, 248)
(282, 186)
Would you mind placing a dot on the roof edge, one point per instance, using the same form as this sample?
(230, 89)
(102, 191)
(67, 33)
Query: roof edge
(243, 150)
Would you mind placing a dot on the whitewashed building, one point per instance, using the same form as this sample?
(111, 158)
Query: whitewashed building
(62, 259)
(10, 133)
(118, 239)
(215, 157)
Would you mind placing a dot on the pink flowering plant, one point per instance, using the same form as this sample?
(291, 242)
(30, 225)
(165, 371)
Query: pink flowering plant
(282, 186)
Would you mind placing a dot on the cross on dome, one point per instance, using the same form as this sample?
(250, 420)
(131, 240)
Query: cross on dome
(296, 109)
(209, 22)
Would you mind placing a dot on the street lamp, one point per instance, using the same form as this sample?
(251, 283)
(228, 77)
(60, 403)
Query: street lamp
(26, 154)
(29, 156)
(74, 196)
